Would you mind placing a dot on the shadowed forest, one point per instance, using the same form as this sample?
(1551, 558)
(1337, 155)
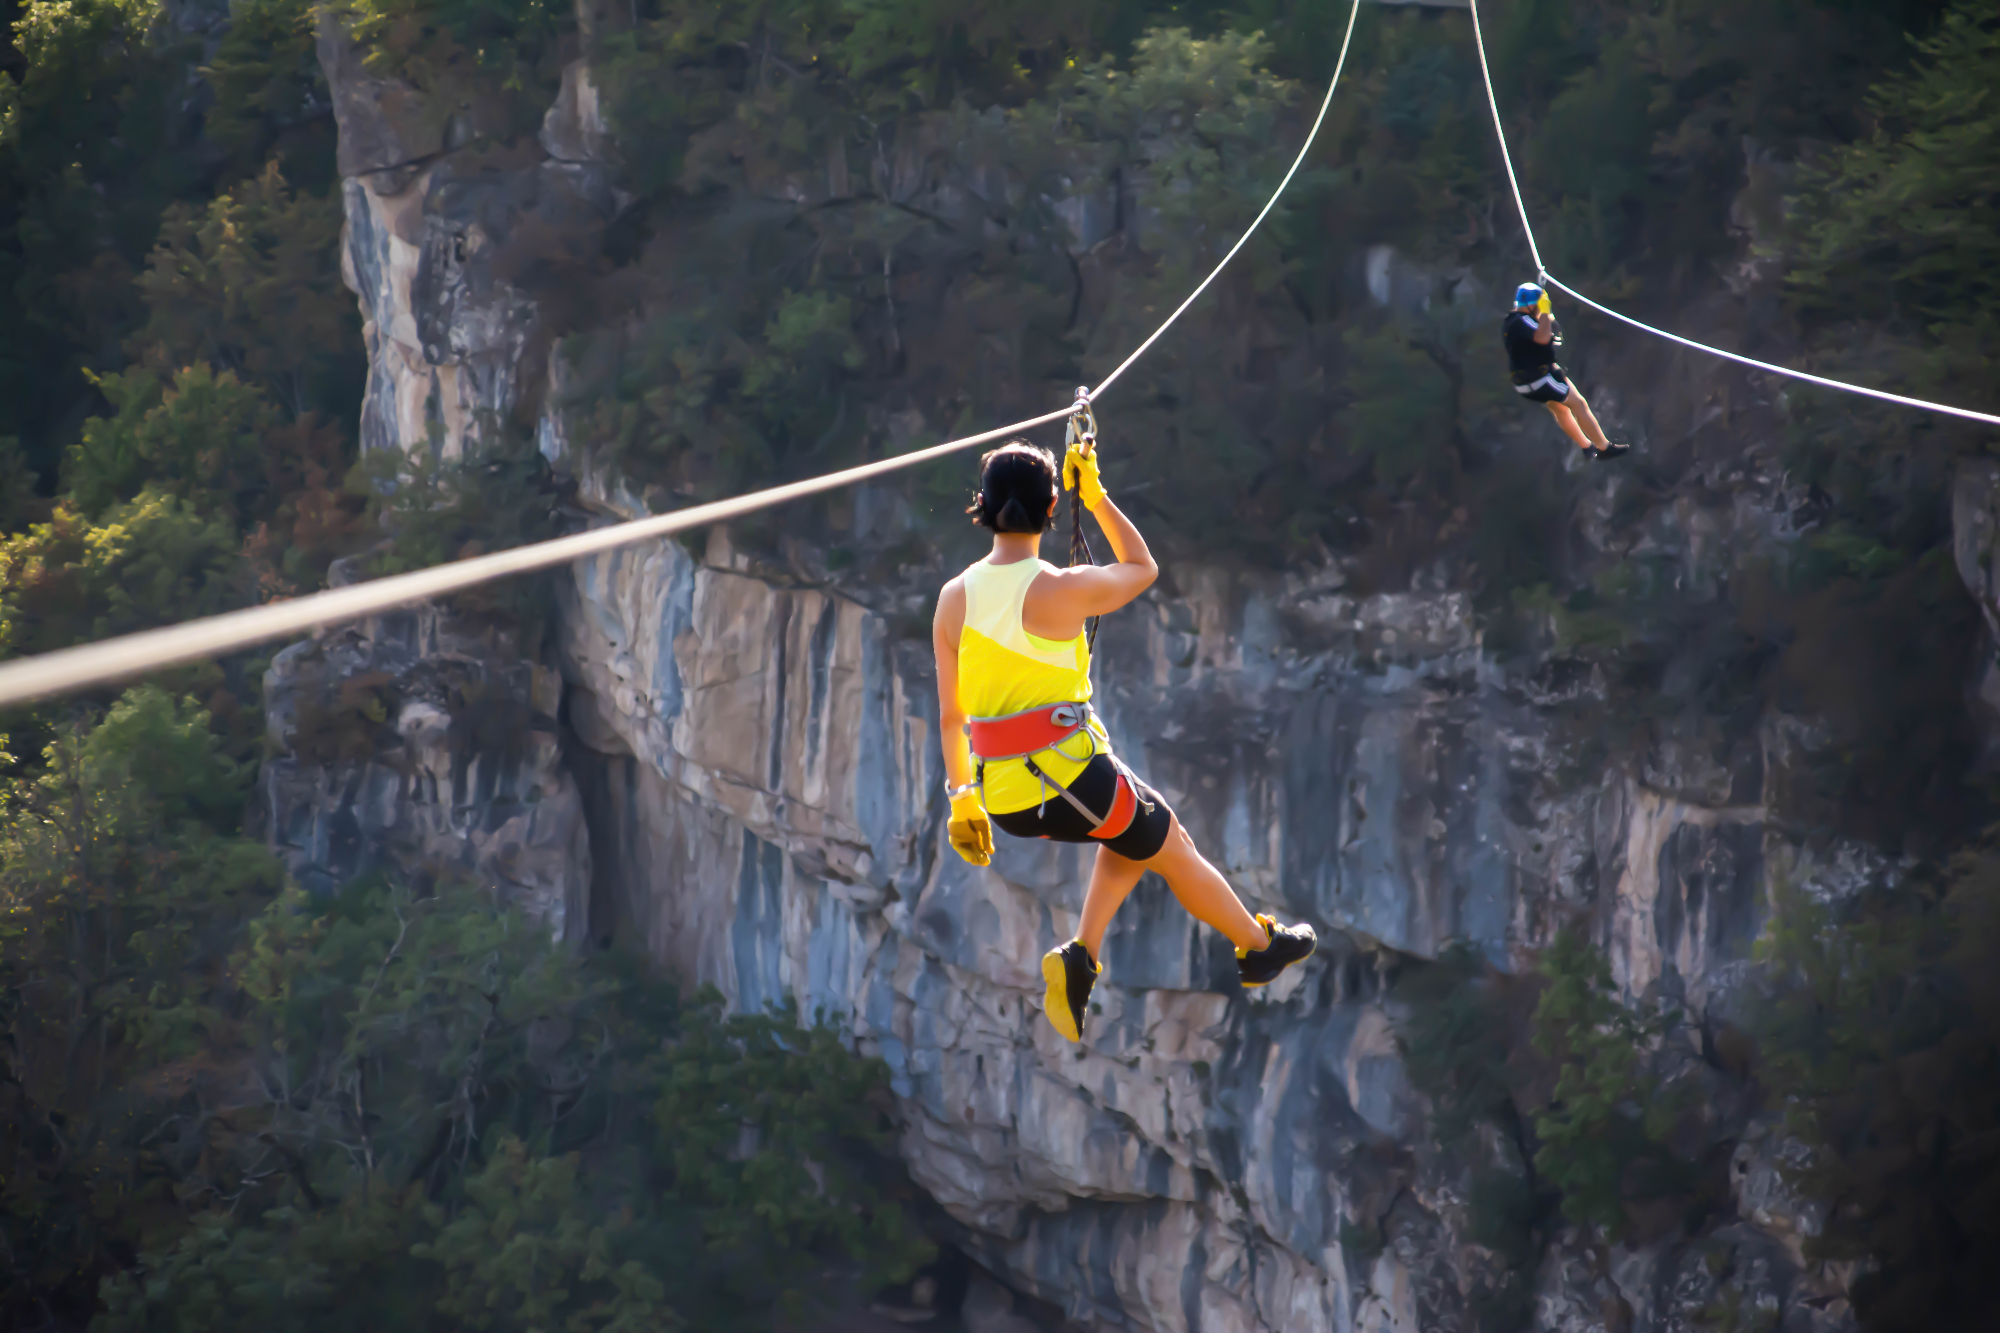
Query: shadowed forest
(225, 1101)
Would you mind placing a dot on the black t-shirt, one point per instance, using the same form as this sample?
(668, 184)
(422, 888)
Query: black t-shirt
(1527, 357)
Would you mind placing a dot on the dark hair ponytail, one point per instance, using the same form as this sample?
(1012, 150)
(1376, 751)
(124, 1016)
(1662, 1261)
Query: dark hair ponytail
(1017, 488)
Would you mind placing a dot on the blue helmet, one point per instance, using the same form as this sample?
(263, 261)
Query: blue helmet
(1528, 294)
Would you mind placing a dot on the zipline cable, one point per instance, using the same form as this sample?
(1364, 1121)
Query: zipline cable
(85, 666)
(1506, 158)
(1241, 241)
(70, 669)
(1897, 398)
(1550, 279)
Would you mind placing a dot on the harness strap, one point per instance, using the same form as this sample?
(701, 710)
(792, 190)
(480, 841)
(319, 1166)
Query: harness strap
(1124, 808)
(1125, 801)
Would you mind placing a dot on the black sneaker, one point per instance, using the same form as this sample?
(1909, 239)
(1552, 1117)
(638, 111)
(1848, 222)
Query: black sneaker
(1611, 450)
(1070, 973)
(1289, 944)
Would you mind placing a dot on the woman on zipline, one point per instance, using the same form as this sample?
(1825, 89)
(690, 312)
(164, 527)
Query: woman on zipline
(1013, 661)
(1532, 338)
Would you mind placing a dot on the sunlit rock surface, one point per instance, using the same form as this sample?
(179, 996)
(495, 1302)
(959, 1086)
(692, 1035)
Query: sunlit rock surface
(442, 226)
(745, 780)
(766, 807)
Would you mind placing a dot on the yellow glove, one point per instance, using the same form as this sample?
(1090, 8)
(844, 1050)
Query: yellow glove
(1542, 307)
(970, 832)
(1080, 473)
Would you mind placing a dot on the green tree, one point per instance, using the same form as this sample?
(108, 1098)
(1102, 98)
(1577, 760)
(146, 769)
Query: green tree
(94, 143)
(436, 510)
(121, 886)
(526, 1249)
(220, 447)
(1896, 229)
(18, 501)
(1603, 1131)
(270, 98)
(1880, 1032)
(468, 1126)
(199, 439)
(493, 63)
(250, 282)
(341, 1268)
(775, 1133)
(1402, 409)
(147, 562)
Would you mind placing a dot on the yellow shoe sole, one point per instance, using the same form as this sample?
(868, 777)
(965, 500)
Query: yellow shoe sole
(1055, 1000)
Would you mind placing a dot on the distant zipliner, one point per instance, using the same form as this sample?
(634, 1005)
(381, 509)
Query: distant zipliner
(1532, 336)
(1023, 748)
(1543, 275)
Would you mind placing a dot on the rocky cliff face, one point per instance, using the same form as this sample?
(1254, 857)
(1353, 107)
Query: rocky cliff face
(767, 815)
(750, 747)
(419, 741)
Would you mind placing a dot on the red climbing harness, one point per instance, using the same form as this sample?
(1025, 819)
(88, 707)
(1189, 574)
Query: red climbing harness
(1028, 733)
(1018, 735)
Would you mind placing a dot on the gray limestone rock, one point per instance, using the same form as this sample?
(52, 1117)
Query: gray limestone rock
(771, 780)
(385, 125)
(409, 743)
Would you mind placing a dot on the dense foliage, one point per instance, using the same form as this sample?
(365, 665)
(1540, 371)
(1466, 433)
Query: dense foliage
(1874, 1032)
(223, 1103)
(1882, 1034)
(1564, 1078)
(227, 1102)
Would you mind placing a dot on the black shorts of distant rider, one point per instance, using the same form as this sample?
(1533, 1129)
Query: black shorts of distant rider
(1551, 386)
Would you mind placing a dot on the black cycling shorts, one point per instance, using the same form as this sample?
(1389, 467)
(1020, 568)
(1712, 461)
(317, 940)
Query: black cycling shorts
(1097, 786)
(1551, 386)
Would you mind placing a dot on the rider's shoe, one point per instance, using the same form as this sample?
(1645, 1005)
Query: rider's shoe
(1611, 449)
(1070, 973)
(1289, 944)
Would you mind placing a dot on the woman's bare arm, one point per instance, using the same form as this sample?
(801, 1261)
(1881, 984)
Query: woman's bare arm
(945, 630)
(1059, 601)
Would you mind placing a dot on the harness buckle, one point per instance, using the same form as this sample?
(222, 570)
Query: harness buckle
(1064, 715)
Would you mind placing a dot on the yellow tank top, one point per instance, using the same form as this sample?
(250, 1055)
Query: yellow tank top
(1004, 669)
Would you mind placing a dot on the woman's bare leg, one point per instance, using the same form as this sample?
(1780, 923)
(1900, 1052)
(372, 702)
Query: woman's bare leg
(1568, 424)
(1198, 885)
(1580, 407)
(1111, 882)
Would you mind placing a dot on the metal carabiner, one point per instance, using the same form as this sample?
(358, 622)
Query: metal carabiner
(1082, 421)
